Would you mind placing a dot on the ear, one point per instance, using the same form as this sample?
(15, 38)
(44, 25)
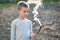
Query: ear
(17, 11)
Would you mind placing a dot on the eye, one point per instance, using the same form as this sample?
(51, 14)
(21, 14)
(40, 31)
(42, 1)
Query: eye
(25, 11)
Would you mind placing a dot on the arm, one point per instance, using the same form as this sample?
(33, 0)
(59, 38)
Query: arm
(13, 28)
(33, 35)
(31, 28)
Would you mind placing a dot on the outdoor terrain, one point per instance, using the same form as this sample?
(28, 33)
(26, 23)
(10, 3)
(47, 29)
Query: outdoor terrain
(49, 16)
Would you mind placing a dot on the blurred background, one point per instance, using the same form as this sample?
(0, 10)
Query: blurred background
(49, 15)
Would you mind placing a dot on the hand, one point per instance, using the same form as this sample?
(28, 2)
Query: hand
(34, 35)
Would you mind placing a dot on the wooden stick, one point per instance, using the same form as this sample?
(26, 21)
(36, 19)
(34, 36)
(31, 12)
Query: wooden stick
(39, 29)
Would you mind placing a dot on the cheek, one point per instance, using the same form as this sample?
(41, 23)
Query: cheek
(20, 13)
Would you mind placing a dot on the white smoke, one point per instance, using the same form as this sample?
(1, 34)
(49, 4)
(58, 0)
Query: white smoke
(35, 12)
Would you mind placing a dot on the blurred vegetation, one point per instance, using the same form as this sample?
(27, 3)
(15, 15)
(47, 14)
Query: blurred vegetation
(7, 3)
(44, 1)
(47, 2)
(10, 1)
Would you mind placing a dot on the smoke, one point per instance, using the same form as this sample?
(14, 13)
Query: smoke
(35, 12)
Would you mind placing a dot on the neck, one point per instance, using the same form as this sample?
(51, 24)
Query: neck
(21, 17)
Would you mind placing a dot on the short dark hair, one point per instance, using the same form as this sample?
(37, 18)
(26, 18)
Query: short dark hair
(22, 4)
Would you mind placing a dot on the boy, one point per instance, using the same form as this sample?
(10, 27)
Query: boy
(21, 27)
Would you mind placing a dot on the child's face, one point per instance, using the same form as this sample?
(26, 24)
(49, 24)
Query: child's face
(23, 12)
